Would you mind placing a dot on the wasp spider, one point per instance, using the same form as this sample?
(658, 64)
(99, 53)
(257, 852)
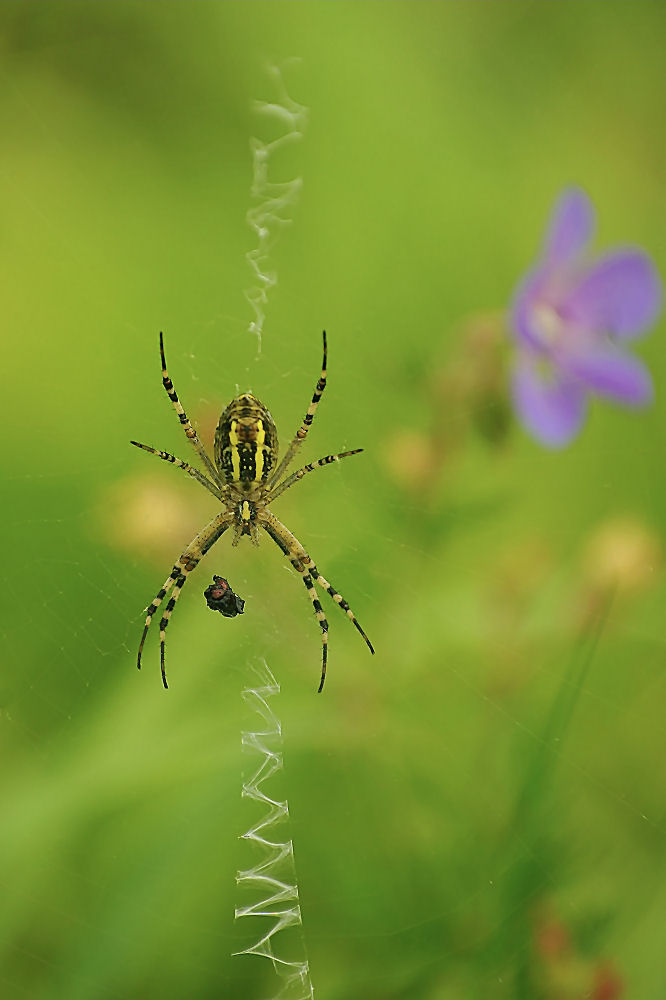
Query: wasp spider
(246, 478)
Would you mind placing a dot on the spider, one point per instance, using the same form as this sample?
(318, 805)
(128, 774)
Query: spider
(246, 478)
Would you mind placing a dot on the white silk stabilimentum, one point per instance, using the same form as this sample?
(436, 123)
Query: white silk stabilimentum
(271, 199)
(272, 880)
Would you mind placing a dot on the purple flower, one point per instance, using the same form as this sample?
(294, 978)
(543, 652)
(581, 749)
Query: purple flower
(572, 317)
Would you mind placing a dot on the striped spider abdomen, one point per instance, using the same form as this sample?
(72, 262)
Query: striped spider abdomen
(246, 442)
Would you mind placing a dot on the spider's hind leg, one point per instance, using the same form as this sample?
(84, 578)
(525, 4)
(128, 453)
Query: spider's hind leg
(339, 600)
(154, 605)
(321, 617)
(302, 563)
(180, 583)
(297, 563)
(188, 561)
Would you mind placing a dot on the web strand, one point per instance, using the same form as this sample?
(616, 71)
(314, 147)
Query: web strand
(272, 880)
(272, 200)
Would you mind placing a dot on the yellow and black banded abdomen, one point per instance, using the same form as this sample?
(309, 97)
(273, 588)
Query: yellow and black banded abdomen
(245, 441)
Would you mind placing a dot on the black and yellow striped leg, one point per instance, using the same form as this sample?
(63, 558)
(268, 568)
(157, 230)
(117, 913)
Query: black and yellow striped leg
(181, 570)
(295, 476)
(152, 608)
(321, 618)
(182, 416)
(302, 431)
(178, 577)
(302, 563)
(180, 583)
(312, 594)
(178, 462)
(339, 600)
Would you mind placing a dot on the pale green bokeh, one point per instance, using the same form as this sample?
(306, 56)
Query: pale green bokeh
(489, 765)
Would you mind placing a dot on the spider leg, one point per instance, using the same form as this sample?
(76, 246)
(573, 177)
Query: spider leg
(154, 605)
(339, 600)
(302, 431)
(312, 594)
(321, 618)
(295, 476)
(178, 462)
(182, 416)
(183, 567)
(180, 583)
(304, 565)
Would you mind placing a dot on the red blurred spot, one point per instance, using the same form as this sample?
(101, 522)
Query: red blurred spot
(552, 939)
(607, 983)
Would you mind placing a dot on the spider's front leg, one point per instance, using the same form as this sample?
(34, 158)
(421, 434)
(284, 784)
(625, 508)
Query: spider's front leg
(182, 568)
(302, 431)
(190, 432)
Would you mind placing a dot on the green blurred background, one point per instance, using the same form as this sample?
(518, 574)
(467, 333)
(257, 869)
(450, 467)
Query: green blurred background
(478, 811)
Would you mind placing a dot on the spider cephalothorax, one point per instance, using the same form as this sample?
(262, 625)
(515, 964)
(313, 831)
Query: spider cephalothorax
(245, 479)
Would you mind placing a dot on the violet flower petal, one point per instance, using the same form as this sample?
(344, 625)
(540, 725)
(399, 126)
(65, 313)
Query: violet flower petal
(612, 373)
(570, 228)
(552, 411)
(620, 295)
(526, 298)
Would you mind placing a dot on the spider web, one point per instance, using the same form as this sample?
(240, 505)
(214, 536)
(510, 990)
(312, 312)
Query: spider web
(274, 872)
(88, 811)
(273, 877)
(275, 908)
(273, 199)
